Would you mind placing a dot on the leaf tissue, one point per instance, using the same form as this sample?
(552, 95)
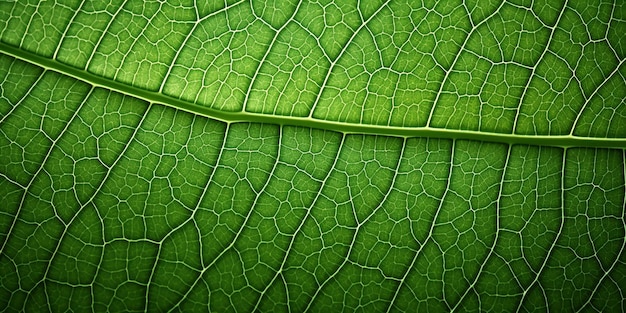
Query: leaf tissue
(322, 156)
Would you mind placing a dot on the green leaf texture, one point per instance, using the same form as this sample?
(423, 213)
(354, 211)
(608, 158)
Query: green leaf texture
(312, 156)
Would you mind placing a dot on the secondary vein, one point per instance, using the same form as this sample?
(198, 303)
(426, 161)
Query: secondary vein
(564, 141)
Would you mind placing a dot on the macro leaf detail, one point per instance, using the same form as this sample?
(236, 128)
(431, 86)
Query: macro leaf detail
(312, 156)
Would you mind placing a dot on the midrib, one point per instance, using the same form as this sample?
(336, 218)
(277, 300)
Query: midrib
(233, 117)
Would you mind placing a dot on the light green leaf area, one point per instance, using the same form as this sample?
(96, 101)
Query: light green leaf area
(312, 156)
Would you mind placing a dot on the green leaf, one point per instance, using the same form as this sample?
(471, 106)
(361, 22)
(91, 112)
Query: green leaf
(312, 156)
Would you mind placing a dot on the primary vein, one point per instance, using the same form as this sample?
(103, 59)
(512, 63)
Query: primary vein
(348, 128)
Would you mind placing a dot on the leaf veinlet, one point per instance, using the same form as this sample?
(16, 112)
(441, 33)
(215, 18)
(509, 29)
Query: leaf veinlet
(307, 156)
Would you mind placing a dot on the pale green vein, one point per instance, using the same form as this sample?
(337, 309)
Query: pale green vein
(233, 117)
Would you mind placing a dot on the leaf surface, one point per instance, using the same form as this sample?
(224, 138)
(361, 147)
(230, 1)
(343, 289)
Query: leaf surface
(312, 156)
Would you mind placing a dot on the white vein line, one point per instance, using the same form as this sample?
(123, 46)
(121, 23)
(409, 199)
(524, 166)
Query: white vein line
(97, 190)
(359, 224)
(241, 229)
(109, 170)
(195, 25)
(430, 231)
(12, 181)
(348, 128)
(128, 144)
(191, 217)
(456, 58)
(52, 147)
(556, 239)
(297, 231)
(12, 15)
(104, 33)
(135, 41)
(29, 24)
(67, 27)
(591, 96)
(28, 92)
(534, 68)
(343, 50)
(267, 52)
(608, 271)
(495, 240)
